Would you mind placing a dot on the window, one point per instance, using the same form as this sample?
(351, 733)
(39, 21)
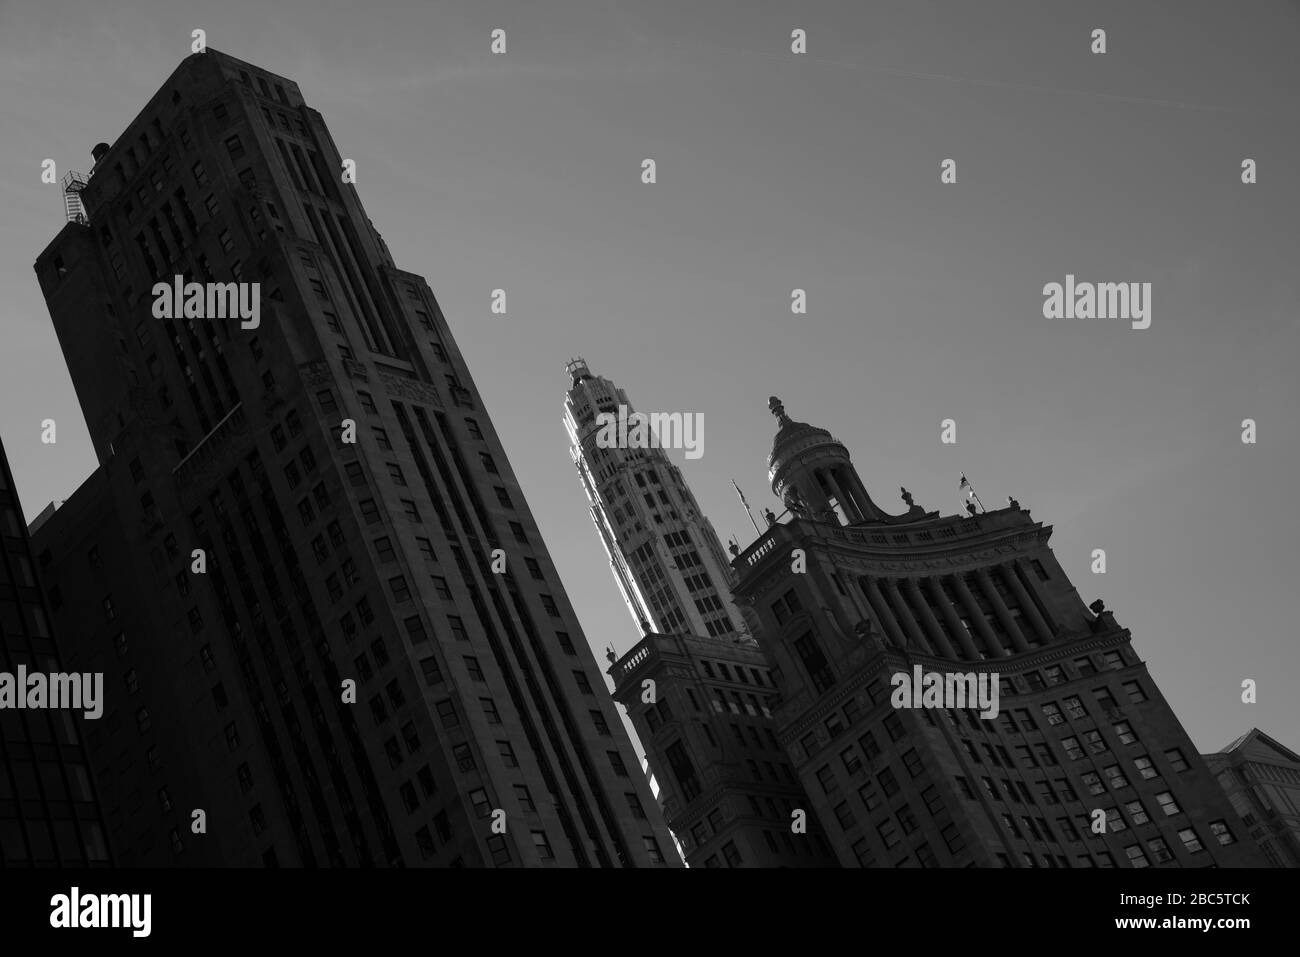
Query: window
(464, 757)
(1115, 777)
(844, 814)
(1073, 750)
(1176, 760)
(411, 511)
(447, 713)
(397, 584)
(1137, 813)
(507, 754)
(813, 660)
(415, 629)
(1124, 731)
(616, 762)
(525, 798)
(852, 763)
(1168, 804)
(912, 761)
(888, 833)
(542, 846)
(894, 726)
(1191, 843)
(457, 628)
(1134, 691)
(1222, 833)
(384, 550)
(889, 784)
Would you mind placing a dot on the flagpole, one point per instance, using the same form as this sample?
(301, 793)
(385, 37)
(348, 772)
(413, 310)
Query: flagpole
(970, 491)
(746, 504)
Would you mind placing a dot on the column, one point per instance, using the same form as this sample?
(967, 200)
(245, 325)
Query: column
(1027, 604)
(846, 504)
(883, 615)
(991, 643)
(1001, 610)
(937, 638)
(910, 626)
(968, 649)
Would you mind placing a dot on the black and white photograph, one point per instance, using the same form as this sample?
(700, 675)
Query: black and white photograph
(599, 434)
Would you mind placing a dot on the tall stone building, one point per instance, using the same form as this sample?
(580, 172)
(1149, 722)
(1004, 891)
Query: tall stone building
(850, 595)
(1262, 780)
(696, 687)
(49, 810)
(665, 555)
(306, 497)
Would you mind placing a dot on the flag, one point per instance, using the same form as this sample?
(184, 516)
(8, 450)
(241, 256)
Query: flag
(740, 493)
(964, 483)
(970, 489)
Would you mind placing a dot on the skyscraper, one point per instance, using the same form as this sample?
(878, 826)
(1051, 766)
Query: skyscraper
(664, 552)
(49, 812)
(310, 494)
(1081, 764)
(696, 687)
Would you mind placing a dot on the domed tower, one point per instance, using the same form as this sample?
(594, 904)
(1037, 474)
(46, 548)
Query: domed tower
(812, 473)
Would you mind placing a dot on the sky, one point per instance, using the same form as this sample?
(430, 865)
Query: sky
(818, 171)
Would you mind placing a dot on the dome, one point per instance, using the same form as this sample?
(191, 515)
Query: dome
(794, 438)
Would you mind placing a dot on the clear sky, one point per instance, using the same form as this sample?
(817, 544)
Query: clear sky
(819, 171)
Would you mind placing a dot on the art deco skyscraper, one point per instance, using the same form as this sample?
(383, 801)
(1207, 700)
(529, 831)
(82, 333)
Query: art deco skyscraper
(49, 813)
(1082, 737)
(664, 552)
(697, 688)
(316, 500)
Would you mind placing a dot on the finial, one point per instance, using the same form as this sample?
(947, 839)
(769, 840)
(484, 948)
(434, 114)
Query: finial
(1098, 607)
(1012, 503)
(907, 496)
(733, 548)
(770, 516)
(970, 507)
(609, 653)
(777, 409)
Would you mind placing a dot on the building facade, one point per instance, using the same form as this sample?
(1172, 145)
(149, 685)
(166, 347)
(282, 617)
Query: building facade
(377, 637)
(1262, 780)
(701, 707)
(1081, 764)
(49, 810)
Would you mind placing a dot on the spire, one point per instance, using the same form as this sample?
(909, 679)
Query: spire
(777, 409)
